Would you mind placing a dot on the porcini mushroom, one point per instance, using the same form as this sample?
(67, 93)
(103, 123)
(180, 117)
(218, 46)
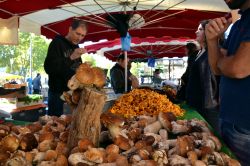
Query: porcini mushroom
(113, 123)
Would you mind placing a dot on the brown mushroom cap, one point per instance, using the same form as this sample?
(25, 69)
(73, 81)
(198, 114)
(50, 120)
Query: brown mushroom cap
(84, 74)
(99, 77)
(112, 148)
(165, 119)
(28, 142)
(66, 118)
(73, 83)
(68, 98)
(95, 155)
(4, 156)
(34, 127)
(122, 142)
(112, 157)
(61, 148)
(61, 160)
(108, 119)
(134, 134)
(184, 144)
(84, 65)
(46, 136)
(50, 155)
(84, 144)
(10, 143)
(76, 96)
(122, 161)
(192, 156)
(64, 136)
(4, 130)
(216, 142)
(20, 130)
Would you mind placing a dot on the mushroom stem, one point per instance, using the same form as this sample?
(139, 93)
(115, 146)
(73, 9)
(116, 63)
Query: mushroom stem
(114, 130)
(153, 128)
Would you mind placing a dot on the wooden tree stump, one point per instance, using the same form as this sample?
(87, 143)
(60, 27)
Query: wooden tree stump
(86, 117)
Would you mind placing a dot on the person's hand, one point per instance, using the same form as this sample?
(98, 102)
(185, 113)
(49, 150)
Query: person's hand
(77, 53)
(216, 28)
(135, 81)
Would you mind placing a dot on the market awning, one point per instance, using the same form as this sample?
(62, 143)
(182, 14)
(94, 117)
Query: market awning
(11, 8)
(143, 48)
(176, 18)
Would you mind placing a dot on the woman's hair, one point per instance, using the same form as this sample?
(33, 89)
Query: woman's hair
(203, 23)
(191, 48)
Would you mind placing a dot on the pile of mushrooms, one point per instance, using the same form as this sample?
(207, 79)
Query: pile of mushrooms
(40, 143)
(140, 141)
(144, 140)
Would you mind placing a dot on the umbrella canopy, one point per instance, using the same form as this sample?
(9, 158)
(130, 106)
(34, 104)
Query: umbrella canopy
(24, 7)
(177, 18)
(143, 48)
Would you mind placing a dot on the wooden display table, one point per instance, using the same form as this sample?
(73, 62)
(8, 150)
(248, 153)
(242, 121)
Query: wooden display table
(29, 113)
(28, 108)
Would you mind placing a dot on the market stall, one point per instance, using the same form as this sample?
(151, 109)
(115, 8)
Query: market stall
(142, 127)
(17, 104)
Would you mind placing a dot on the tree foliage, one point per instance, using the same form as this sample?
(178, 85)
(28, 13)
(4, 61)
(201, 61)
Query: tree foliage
(20, 55)
(89, 58)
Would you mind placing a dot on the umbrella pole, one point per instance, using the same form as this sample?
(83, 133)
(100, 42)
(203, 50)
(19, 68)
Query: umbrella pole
(126, 71)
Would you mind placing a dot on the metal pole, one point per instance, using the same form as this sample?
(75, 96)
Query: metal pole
(169, 68)
(126, 70)
(30, 53)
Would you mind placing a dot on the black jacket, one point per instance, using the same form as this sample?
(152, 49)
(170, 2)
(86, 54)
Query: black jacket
(58, 65)
(181, 94)
(117, 75)
(203, 87)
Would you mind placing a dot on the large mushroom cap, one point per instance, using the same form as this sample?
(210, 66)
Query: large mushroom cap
(10, 143)
(99, 77)
(108, 119)
(165, 119)
(84, 74)
(73, 83)
(184, 144)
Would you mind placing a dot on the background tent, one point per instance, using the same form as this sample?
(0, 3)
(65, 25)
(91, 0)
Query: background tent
(143, 48)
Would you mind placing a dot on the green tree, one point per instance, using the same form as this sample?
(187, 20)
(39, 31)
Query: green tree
(89, 58)
(16, 59)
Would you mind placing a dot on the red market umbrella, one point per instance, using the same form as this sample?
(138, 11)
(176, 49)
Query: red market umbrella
(176, 18)
(8, 8)
(143, 48)
(177, 23)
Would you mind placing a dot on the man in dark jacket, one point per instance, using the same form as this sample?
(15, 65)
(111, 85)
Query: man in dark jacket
(63, 57)
(37, 86)
(117, 75)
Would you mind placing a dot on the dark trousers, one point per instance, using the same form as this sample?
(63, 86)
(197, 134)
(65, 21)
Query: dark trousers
(212, 117)
(36, 91)
(238, 140)
(30, 90)
(55, 104)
